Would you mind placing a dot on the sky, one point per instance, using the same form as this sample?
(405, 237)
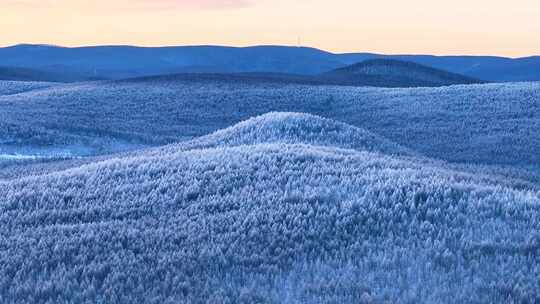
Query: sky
(457, 27)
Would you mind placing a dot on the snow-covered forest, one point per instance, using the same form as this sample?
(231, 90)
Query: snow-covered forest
(489, 124)
(17, 87)
(193, 191)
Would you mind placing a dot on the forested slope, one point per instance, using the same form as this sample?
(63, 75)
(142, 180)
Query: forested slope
(493, 124)
(278, 211)
(395, 73)
(16, 87)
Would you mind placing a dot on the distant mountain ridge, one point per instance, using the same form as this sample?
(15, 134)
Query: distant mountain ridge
(117, 62)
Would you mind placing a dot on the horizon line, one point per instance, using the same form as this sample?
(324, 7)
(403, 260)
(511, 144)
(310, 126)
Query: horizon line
(255, 46)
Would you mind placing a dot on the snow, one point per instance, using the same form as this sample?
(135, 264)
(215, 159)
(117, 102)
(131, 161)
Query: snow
(17, 157)
(17, 87)
(280, 208)
(491, 124)
(231, 192)
(291, 128)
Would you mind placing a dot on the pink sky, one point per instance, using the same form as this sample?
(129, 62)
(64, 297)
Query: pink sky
(386, 26)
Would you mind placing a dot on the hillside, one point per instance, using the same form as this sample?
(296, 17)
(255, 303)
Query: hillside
(21, 74)
(17, 87)
(268, 211)
(284, 128)
(292, 128)
(398, 75)
(275, 128)
(117, 62)
(46, 75)
(394, 73)
(454, 123)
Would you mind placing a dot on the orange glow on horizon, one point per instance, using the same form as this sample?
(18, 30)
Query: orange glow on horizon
(417, 26)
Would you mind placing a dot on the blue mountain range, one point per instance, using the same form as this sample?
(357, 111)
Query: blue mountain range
(116, 62)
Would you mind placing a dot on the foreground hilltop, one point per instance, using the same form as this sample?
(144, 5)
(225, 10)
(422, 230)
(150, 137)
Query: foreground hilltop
(395, 73)
(293, 128)
(275, 128)
(268, 214)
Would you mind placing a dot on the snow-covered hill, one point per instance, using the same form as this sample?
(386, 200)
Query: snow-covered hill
(277, 209)
(493, 124)
(17, 87)
(293, 128)
(395, 73)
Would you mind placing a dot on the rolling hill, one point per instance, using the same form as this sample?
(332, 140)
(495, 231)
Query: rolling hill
(17, 87)
(48, 75)
(23, 74)
(116, 62)
(394, 73)
(463, 124)
(282, 208)
(372, 73)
